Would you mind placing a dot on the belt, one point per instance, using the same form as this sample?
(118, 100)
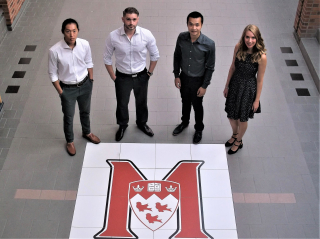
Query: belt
(75, 85)
(118, 73)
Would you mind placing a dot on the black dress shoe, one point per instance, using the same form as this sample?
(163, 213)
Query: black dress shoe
(179, 129)
(120, 132)
(145, 129)
(197, 137)
(240, 145)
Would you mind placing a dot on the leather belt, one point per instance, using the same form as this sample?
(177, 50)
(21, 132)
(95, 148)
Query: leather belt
(75, 85)
(118, 73)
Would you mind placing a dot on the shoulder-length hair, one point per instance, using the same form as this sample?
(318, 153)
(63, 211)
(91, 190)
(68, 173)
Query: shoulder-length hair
(258, 48)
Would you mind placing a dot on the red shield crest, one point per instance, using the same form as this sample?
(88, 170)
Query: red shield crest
(154, 202)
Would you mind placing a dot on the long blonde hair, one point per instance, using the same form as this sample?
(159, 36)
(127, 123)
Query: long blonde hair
(258, 48)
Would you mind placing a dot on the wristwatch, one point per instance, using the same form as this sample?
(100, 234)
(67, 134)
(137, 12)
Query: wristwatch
(149, 73)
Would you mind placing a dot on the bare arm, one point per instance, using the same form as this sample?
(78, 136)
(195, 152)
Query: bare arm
(90, 73)
(111, 72)
(261, 71)
(231, 70)
(152, 66)
(57, 86)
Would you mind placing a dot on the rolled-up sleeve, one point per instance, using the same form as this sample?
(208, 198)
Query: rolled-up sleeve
(108, 51)
(88, 57)
(53, 66)
(152, 48)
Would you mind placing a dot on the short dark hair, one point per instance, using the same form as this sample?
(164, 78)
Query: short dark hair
(130, 10)
(68, 21)
(195, 15)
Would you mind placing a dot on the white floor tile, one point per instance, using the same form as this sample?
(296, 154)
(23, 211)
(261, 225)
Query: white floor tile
(168, 155)
(143, 155)
(143, 233)
(215, 183)
(97, 154)
(213, 155)
(94, 182)
(219, 213)
(89, 211)
(83, 232)
(223, 234)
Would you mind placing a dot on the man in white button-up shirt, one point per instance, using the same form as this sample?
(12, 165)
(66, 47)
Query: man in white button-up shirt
(130, 45)
(71, 73)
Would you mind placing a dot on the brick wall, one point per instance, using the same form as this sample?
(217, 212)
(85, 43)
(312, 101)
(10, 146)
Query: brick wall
(307, 19)
(11, 8)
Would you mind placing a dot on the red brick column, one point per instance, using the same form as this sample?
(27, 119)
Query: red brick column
(11, 9)
(307, 19)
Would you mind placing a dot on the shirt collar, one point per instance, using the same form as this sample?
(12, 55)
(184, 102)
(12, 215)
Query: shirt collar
(65, 45)
(199, 40)
(122, 32)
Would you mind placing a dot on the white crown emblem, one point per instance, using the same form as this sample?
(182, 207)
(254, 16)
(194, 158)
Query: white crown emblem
(137, 189)
(171, 189)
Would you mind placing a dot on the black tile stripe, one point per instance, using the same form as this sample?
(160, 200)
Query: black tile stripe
(296, 76)
(286, 49)
(303, 92)
(24, 61)
(291, 62)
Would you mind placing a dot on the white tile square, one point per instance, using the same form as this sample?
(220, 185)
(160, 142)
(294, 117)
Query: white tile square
(89, 211)
(223, 234)
(215, 183)
(76, 232)
(213, 155)
(168, 155)
(143, 155)
(219, 213)
(96, 155)
(94, 182)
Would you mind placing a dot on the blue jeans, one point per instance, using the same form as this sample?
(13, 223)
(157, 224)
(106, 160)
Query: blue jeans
(69, 97)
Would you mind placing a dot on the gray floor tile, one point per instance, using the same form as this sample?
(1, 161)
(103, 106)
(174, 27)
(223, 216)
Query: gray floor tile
(243, 231)
(251, 165)
(267, 183)
(247, 213)
(291, 231)
(264, 231)
(12, 209)
(44, 229)
(61, 210)
(35, 209)
(292, 183)
(43, 180)
(64, 229)
(273, 214)
(242, 183)
(299, 213)
(17, 229)
(311, 231)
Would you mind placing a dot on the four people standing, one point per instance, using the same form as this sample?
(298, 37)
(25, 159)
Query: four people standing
(71, 71)
(195, 57)
(130, 45)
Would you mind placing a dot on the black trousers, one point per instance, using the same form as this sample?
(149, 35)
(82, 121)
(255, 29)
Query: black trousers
(188, 92)
(139, 85)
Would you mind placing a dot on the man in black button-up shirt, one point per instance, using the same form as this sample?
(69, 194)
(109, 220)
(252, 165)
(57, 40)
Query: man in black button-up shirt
(194, 55)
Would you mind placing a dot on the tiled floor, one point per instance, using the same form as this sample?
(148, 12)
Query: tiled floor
(274, 178)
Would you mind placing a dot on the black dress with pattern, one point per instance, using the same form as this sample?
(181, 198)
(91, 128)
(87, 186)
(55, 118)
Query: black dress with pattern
(242, 90)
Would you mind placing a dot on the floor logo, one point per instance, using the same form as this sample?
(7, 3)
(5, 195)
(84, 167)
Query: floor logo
(154, 202)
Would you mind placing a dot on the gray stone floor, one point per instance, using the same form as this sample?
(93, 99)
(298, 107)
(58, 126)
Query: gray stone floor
(281, 146)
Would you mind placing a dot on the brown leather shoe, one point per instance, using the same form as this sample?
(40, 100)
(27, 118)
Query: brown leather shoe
(92, 138)
(71, 149)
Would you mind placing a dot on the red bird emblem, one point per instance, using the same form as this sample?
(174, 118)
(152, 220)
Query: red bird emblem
(143, 207)
(162, 208)
(152, 219)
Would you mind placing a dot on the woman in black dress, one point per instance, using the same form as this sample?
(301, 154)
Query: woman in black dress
(244, 84)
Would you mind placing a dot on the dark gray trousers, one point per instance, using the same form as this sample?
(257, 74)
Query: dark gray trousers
(69, 97)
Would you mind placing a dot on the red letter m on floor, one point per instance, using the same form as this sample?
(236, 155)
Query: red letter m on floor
(190, 222)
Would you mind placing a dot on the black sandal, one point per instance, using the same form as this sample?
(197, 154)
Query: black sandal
(227, 144)
(239, 147)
